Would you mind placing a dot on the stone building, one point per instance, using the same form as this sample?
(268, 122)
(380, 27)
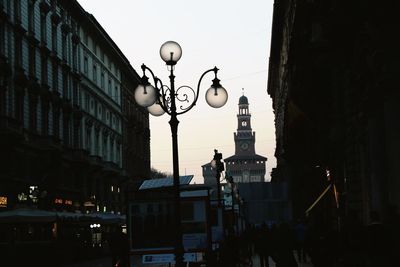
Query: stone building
(332, 72)
(71, 135)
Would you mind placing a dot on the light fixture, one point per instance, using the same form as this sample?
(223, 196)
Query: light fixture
(156, 109)
(170, 52)
(145, 94)
(216, 95)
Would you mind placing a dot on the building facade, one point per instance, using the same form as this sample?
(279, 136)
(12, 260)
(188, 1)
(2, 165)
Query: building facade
(332, 72)
(71, 133)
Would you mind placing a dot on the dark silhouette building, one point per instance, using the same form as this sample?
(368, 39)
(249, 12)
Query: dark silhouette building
(71, 136)
(332, 73)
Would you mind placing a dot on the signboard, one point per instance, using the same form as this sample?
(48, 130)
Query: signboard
(167, 258)
(3, 202)
(195, 241)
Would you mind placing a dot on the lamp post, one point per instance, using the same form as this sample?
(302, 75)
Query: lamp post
(218, 166)
(160, 99)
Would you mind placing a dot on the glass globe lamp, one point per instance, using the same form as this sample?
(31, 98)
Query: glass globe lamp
(216, 95)
(156, 109)
(171, 52)
(145, 95)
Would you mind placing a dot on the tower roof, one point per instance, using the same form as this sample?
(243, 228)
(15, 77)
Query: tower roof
(243, 100)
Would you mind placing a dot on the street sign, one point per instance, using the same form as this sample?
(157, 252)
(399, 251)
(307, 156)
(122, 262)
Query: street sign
(167, 257)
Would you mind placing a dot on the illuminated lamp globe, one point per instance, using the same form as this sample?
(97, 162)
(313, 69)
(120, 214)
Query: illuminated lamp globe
(171, 52)
(155, 109)
(216, 97)
(145, 95)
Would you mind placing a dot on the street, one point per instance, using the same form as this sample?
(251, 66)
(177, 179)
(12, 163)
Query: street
(106, 262)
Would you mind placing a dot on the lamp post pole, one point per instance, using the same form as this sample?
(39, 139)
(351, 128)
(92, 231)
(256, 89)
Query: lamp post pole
(176, 182)
(219, 167)
(160, 99)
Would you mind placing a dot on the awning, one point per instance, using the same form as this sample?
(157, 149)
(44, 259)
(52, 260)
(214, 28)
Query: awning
(27, 215)
(35, 215)
(107, 217)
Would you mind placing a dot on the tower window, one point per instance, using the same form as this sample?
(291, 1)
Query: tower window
(244, 123)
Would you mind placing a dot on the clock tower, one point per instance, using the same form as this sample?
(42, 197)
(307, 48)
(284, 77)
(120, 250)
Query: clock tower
(245, 166)
(244, 137)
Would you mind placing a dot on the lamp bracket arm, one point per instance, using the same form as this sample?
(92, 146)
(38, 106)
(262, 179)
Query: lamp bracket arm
(144, 68)
(215, 70)
(163, 99)
(161, 93)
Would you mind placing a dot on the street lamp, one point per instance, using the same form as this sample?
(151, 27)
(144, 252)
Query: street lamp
(160, 99)
(218, 166)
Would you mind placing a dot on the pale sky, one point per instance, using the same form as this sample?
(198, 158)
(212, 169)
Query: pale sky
(233, 35)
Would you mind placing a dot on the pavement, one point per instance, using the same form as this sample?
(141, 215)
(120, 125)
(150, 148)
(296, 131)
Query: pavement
(106, 262)
(256, 262)
(101, 262)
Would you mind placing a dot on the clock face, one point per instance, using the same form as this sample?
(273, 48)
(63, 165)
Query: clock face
(244, 146)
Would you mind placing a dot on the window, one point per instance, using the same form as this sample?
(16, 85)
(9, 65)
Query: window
(85, 65)
(65, 85)
(95, 73)
(32, 60)
(54, 38)
(96, 143)
(85, 38)
(244, 123)
(102, 80)
(74, 57)
(109, 87)
(43, 28)
(115, 96)
(17, 12)
(30, 17)
(87, 99)
(64, 46)
(94, 48)
(75, 93)
(18, 50)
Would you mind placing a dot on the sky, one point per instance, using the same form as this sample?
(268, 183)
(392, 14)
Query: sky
(233, 35)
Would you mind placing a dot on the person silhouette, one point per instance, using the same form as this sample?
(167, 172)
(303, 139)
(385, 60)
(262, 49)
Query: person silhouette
(119, 247)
